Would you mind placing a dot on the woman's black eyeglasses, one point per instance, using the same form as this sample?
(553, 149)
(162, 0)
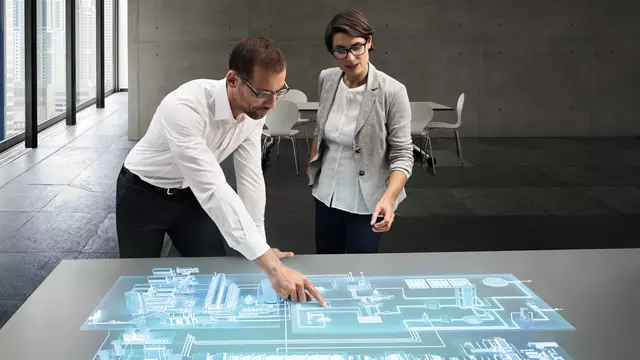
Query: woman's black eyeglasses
(341, 53)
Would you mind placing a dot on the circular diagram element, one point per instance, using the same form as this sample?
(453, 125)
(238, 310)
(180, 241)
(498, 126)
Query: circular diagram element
(495, 282)
(471, 319)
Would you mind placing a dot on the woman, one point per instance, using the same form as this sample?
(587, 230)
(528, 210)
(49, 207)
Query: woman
(362, 153)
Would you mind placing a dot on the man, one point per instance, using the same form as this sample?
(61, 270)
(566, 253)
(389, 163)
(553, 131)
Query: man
(171, 182)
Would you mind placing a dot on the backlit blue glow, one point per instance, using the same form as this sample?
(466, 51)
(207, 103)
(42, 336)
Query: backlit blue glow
(179, 314)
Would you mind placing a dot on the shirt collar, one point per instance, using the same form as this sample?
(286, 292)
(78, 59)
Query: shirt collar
(222, 110)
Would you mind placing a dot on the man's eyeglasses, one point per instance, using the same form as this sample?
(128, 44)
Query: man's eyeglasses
(341, 53)
(264, 95)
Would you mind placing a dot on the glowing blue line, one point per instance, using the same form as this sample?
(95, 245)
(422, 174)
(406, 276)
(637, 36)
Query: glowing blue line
(287, 308)
(186, 295)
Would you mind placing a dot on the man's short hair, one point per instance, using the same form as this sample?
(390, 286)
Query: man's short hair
(254, 51)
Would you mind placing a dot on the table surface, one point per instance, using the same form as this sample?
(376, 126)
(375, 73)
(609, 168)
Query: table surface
(313, 106)
(582, 302)
(307, 106)
(437, 107)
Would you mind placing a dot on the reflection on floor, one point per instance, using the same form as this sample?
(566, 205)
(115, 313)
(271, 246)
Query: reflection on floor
(57, 201)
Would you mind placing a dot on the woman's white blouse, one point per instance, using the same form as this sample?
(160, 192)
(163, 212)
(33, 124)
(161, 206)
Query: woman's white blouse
(338, 185)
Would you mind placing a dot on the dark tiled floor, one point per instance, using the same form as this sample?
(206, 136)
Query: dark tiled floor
(57, 201)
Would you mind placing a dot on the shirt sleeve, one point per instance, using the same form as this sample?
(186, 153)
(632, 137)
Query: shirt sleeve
(247, 162)
(184, 129)
(399, 138)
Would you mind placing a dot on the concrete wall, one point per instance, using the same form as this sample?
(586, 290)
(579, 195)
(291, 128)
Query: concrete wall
(529, 68)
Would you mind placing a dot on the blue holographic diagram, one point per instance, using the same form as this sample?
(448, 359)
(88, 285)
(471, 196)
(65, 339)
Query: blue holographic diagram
(180, 314)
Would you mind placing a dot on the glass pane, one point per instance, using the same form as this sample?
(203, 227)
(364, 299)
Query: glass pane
(50, 32)
(108, 45)
(14, 109)
(122, 61)
(86, 50)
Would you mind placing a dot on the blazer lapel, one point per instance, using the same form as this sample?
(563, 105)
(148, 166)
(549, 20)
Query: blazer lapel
(368, 100)
(329, 92)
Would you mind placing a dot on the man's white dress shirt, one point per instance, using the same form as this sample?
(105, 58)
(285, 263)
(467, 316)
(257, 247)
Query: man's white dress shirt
(191, 133)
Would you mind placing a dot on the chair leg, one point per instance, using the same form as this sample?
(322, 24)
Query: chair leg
(278, 147)
(458, 146)
(423, 149)
(295, 154)
(306, 138)
(433, 161)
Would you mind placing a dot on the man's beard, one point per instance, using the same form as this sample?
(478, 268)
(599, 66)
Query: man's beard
(254, 114)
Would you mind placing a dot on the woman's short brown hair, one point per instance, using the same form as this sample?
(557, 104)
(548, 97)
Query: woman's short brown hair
(256, 51)
(352, 23)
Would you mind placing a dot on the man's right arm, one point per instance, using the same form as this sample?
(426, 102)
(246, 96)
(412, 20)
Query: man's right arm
(183, 129)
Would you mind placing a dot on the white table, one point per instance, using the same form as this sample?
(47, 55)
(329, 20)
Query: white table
(439, 107)
(307, 106)
(582, 302)
(313, 106)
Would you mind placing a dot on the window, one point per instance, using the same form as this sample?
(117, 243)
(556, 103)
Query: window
(86, 50)
(51, 55)
(108, 45)
(123, 76)
(13, 62)
(50, 33)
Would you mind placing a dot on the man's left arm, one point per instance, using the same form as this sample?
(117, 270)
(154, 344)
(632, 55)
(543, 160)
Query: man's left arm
(247, 161)
(400, 157)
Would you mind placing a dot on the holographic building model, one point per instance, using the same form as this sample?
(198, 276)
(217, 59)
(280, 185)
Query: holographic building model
(180, 314)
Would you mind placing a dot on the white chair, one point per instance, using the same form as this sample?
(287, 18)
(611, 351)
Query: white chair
(296, 95)
(442, 125)
(421, 115)
(279, 122)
